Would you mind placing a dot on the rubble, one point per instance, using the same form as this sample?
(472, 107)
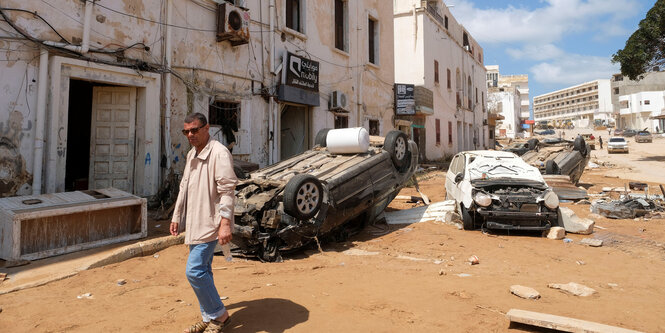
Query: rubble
(573, 288)
(572, 223)
(627, 208)
(524, 292)
(556, 233)
(592, 242)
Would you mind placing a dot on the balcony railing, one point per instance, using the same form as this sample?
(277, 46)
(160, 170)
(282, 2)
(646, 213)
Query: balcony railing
(435, 13)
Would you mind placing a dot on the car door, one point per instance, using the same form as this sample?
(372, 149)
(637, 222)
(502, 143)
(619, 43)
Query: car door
(456, 166)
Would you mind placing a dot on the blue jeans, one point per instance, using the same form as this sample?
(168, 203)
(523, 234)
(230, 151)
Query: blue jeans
(199, 274)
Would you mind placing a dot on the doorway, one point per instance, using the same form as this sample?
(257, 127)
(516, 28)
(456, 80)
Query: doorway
(78, 135)
(420, 138)
(294, 131)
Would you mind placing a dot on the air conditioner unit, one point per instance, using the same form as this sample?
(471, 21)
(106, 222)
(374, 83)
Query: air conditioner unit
(232, 24)
(337, 101)
(467, 48)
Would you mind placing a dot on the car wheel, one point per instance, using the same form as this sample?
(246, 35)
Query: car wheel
(580, 145)
(551, 168)
(397, 145)
(303, 196)
(321, 137)
(467, 219)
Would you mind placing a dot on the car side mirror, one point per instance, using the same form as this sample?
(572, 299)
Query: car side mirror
(459, 177)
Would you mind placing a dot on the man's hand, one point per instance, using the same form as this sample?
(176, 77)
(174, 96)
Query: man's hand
(224, 235)
(174, 229)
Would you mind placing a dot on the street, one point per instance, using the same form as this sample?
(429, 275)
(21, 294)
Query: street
(389, 278)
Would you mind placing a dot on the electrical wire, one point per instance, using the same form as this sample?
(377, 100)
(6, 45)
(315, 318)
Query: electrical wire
(38, 16)
(149, 20)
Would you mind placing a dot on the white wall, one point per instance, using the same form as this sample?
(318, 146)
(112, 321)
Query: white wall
(636, 115)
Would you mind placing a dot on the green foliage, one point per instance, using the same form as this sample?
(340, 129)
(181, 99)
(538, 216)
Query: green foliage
(645, 49)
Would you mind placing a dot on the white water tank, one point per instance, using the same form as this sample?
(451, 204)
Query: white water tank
(347, 140)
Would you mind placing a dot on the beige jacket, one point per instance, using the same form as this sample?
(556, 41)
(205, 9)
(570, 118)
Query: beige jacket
(206, 193)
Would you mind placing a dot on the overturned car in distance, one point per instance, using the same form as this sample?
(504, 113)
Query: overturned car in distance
(498, 190)
(328, 192)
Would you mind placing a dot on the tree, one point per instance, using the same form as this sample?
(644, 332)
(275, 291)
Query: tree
(645, 48)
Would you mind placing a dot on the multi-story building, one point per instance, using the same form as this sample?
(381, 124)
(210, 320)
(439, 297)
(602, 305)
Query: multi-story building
(583, 105)
(639, 104)
(508, 95)
(95, 92)
(437, 54)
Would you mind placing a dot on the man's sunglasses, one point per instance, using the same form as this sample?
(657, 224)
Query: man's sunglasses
(193, 130)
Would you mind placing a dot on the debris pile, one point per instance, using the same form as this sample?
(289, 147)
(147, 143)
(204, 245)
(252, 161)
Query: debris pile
(628, 207)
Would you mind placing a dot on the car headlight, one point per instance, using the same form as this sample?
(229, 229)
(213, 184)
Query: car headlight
(482, 199)
(551, 200)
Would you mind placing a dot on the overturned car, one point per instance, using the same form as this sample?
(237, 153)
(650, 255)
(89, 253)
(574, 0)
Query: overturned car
(555, 156)
(498, 190)
(329, 192)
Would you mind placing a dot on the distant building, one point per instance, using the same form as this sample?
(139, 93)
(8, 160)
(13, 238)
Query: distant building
(436, 53)
(639, 104)
(583, 105)
(508, 95)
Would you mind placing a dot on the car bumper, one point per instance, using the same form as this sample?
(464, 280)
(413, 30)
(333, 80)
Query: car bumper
(643, 140)
(511, 220)
(612, 150)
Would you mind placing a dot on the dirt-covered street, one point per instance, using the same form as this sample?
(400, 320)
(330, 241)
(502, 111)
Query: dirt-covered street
(399, 278)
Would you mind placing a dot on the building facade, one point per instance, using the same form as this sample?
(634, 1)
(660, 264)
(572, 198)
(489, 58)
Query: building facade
(639, 104)
(97, 96)
(585, 105)
(508, 95)
(436, 53)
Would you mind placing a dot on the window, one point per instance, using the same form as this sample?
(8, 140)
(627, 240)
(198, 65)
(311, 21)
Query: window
(616, 91)
(445, 21)
(341, 121)
(448, 72)
(465, 41)
(450, 132)
(341, 25)
(647, 102)
(373, 40)
(476, 95)
(438, 132)
(225, 115)
(436, 71)
(374, 127)
(293, 12)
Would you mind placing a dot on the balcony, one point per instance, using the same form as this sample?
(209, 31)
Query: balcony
(433, 10)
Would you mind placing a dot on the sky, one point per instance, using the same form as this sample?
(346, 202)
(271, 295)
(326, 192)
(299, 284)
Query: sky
(558, 43)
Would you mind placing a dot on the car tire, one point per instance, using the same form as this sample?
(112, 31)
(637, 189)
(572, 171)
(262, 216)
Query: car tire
(397, 145)
(467, 219)
(551, 168)
(303, 195)
(321, 137)
(580, 145)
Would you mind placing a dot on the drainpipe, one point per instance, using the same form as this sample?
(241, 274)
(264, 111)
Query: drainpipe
(85, 44)
(167, 85)
(415, 28)
(271, 105)
(40, 125)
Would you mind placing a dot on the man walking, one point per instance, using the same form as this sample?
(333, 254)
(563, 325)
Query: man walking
(600, 140)
(205, 207)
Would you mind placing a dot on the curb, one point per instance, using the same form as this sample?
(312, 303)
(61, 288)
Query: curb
(139, 249)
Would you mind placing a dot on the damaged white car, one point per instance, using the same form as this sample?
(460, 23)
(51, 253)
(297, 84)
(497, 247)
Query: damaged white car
(498, 190)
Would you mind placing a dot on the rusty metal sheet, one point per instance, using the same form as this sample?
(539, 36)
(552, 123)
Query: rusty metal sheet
(564, 188)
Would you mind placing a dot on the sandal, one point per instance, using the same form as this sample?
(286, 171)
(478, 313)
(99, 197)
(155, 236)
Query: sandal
(199, 327)
(217, 326)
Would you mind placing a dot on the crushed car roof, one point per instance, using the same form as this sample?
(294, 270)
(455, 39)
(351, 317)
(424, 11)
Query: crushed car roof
(489, 164)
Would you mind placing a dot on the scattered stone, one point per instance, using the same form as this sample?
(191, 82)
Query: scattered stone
(592, 242)
(224, 298)
(612, 285)
(473, 260)
(442, 272)
(572, 223)
(156, 256)
(594, 216)
(573, 288)
(121, 282)
(463, 275)
(583, 202)
(438, 262)
(580, 262)
(359, 252)
(86, 295)
(555, 233)
(524, 292)
(269, 285)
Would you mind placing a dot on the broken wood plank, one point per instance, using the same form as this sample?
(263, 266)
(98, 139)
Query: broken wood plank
(561, 323)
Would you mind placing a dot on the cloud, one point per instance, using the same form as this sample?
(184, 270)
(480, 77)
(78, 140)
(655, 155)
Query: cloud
(573, 69)
(547, 24)
(536, 52)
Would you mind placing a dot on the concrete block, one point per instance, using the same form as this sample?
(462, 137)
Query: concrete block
(556, 233)
(524, 292)
(574, 224)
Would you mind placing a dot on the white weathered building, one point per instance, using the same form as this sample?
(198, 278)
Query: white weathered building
(95, 92)
(642, 110)
(437, 54)
(508, 95)
(585, 105)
